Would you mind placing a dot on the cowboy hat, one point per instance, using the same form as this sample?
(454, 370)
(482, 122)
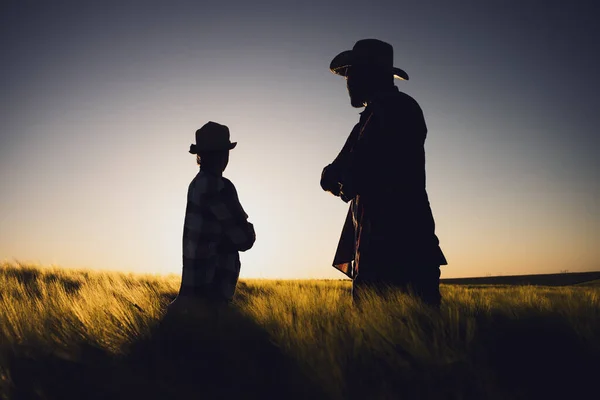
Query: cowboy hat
(368, 52)
(212, 137)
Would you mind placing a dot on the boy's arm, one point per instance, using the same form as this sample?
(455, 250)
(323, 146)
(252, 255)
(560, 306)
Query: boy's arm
(238, 234)
(200, 236)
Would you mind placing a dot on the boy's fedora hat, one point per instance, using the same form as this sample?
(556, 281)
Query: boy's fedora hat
(367, 52)
(212, 137)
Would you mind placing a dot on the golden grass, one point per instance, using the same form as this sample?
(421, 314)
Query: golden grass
(392, 346)
(57, 307)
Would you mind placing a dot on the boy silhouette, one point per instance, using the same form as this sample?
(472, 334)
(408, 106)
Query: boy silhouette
(216, 227)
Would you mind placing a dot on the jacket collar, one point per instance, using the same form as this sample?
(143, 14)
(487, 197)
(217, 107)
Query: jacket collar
(380, 96)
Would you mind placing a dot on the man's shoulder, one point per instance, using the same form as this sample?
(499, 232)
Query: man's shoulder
(403, 108)
(393, 102)
(399, 111)
(405, 100)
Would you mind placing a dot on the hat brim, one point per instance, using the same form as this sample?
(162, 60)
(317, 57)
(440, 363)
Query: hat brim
(194, 149)
(340, 63)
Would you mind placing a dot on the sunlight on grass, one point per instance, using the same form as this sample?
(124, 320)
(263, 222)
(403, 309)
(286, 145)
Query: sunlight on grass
(389, 342)
(60, 307)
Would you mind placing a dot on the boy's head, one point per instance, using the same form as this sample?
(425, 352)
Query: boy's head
(212, 147)
(213, 160)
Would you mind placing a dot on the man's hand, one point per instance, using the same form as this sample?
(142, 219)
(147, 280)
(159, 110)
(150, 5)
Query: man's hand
(330, 179)
(347, 192)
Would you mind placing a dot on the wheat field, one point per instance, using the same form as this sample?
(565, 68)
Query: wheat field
(87, 334)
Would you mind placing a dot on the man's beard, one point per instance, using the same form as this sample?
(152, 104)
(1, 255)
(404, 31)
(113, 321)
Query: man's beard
(357, 97)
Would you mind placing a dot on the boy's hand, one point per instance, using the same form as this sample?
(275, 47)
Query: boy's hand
(251, 231)
(241, 237)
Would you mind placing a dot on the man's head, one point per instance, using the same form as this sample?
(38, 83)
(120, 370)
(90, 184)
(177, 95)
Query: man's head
(368, 68)
(363, 81)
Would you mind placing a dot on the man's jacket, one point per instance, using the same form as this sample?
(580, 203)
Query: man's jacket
(381, 172)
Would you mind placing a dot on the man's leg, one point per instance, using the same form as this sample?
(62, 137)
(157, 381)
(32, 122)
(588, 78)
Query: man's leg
(361, 286)
(357, 289)
(377, 287)
(425, 282)
(421, 281)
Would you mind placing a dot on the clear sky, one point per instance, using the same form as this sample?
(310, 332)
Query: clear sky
(100, 100)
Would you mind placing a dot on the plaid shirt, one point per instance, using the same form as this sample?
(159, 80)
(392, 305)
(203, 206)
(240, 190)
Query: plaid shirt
(216, 228)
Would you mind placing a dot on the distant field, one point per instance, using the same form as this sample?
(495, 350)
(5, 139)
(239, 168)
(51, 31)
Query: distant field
(563, 279)
(68, 334)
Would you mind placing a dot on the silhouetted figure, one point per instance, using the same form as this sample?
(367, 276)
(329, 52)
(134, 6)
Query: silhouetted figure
(388, 238)
(216, 227)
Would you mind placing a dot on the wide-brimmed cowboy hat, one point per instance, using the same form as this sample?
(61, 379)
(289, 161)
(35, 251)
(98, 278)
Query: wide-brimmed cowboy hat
(212, 137)
(367, 52)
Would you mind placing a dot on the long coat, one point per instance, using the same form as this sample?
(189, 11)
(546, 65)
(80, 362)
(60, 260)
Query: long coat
(381, 172)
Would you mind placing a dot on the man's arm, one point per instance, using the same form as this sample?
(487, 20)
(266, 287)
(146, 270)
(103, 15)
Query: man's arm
(386, 151)
(332, 173)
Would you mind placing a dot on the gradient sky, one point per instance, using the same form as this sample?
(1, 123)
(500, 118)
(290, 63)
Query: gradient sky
(100, 100)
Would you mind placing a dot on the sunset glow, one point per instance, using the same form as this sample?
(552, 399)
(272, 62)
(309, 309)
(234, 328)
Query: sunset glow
(100, 103)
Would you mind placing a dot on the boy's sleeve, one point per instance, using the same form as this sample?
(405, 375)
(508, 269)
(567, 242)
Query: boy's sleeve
(200, 232)
(237, 233)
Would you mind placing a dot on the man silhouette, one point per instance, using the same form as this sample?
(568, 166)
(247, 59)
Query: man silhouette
(388, 238)
(216, 227)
